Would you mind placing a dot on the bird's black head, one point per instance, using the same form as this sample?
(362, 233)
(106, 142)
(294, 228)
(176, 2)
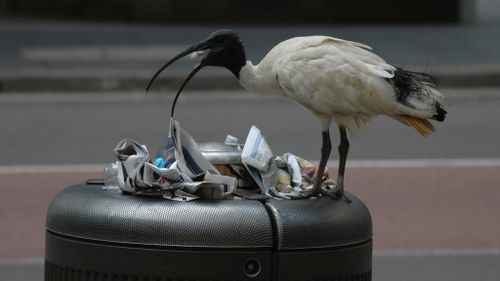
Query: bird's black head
(225, 49)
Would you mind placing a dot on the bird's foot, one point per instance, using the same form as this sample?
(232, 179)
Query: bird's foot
(306, 194)
(335, 192)
(309, 192)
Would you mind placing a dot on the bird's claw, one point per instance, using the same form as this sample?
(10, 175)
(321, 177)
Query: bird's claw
(328, 188)
(335, 192)
(306, 194)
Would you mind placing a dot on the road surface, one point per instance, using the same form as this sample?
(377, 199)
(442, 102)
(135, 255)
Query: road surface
(434, 200)
(83, 129)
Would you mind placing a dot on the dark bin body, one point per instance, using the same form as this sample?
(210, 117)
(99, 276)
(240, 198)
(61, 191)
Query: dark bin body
(97, 234)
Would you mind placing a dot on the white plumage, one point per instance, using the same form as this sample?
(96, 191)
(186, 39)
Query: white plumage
(335, 79)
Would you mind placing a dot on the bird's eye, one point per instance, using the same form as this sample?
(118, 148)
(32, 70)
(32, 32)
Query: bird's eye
(221, 40)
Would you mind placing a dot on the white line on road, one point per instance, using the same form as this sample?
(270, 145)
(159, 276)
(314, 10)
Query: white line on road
(421, 163)
(387, 163)
(21, 261)
(56, 168)
(437, 252)
(99, 53)
(376, 253)
(198, 96)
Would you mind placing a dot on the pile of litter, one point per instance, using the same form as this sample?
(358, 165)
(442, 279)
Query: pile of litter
(185, 170)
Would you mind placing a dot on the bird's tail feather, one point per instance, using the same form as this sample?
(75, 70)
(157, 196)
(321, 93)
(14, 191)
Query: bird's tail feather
(423, 126)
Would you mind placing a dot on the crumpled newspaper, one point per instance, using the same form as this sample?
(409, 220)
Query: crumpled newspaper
(183, 175)
(181, 172)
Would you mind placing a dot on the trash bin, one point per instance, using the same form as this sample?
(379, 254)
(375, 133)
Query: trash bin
(98, 234)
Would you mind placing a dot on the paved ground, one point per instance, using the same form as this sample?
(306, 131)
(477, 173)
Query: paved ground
(48, 56)
(424, 266)
(428, 225)
(412, 208)
(83, 129)
(433, 200)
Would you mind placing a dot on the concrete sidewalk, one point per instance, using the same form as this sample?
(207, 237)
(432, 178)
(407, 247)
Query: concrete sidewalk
(425, 228)
(426, 208)
(63, 56)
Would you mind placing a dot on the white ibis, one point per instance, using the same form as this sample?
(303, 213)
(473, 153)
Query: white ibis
(335, 79)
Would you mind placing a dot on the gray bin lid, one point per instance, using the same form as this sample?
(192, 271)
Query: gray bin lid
(88, 211)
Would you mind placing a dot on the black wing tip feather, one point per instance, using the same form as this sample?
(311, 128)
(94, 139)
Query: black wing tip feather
(409, 83)
(418, 76)
(440, 113)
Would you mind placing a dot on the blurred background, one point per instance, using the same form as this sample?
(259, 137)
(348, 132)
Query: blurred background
(245, 12)
(72, 80)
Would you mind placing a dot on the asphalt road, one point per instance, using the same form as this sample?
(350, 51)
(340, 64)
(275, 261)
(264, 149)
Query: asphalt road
(44, 56)
(84, 129)
(40, 131)
(435, 266)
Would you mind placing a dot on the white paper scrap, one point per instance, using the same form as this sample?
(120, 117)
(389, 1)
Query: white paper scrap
(256, 152)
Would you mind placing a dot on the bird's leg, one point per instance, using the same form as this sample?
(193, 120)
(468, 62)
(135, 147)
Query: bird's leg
(338, 192)
(326, 147)
(343, 150)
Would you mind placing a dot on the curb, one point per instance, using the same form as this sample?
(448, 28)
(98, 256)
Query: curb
(138, 81)
(104, 84)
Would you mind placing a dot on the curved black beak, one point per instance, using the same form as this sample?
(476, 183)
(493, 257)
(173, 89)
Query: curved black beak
(197, 47)
(195, 70)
